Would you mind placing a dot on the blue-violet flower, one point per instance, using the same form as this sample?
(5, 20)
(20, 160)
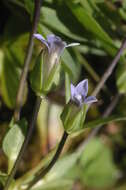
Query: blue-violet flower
(79, 94)
(54, 47)
(54, 44)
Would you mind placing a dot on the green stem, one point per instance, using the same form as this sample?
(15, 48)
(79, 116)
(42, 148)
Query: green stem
(43, 172)
(27, 176)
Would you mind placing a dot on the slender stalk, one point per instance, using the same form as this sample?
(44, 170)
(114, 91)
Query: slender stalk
(27, 60)
(110, 69)
(25, 143)
(43, 172)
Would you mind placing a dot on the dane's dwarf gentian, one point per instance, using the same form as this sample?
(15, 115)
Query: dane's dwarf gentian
(79, 94)
(74, 113)
(54, 47)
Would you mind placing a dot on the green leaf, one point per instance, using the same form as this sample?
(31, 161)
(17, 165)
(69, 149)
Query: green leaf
(11, 62)
(62, 166)
(10, 75)
(62, 184)
(13, 141)
(50, 18)
(91, 25)
(29, 5)
(89, 22)
(104, 121)
(29, 176)
(101, 121)
(17, 48)
(56, 174)
(97, 166)
(14, 44)
(59, 173)
(3, 177)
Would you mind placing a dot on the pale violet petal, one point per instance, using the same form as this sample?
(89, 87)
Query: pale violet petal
(90, 100)
(78, 99)
(73, 91)
(82, 88)
(56, 45)
(50, 38)
(72, 44)
(42, 39)
(39, 37)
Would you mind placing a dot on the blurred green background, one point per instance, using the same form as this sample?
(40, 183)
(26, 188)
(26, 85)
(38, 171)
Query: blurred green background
(100, 27)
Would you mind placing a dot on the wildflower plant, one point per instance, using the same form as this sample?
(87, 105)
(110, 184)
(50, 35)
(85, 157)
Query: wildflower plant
(44, 77)
(74, 113)
(49, 64)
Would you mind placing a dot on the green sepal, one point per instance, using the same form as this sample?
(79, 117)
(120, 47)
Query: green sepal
(52, 78)
(67, 87)
(42, 81)
(73, 117)
(36, 78)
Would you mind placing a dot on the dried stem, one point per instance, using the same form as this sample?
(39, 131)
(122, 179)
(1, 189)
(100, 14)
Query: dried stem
(43, 172)
(25, 143)
(27, 60)
(110, 69)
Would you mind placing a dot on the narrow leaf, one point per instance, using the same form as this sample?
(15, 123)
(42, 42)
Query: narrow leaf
(101, 121)
(91, 25)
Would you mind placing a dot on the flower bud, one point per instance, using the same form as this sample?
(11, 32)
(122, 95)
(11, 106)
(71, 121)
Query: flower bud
(74, 113)
(50, 64)
(73, 117)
